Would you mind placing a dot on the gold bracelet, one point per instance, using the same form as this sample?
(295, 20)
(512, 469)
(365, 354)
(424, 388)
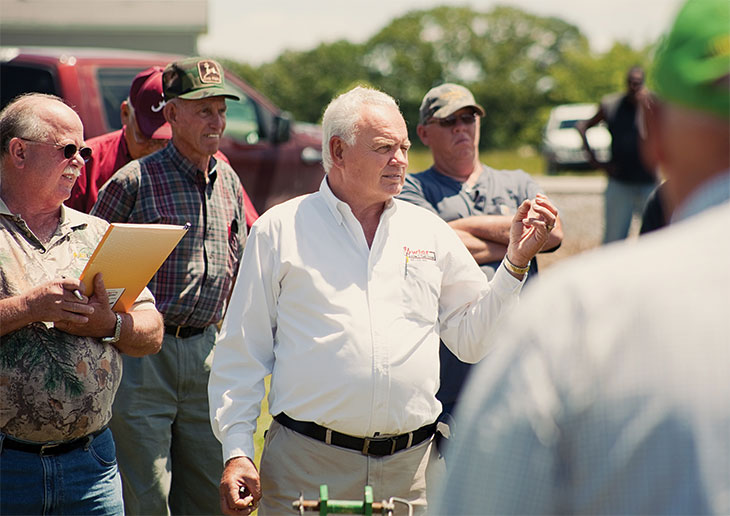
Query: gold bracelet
(513, 268)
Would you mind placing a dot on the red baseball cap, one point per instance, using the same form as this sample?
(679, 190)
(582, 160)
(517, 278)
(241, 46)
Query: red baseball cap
(147, 102)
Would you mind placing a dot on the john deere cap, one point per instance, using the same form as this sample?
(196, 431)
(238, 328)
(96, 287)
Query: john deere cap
(446, 100)
(196, 78)
(692, 67)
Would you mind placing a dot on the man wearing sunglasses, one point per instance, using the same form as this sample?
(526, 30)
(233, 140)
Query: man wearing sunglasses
(61, 350)
(477, 201)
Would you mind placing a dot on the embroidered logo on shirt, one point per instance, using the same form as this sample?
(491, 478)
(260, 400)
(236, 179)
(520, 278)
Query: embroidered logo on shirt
(418, 254)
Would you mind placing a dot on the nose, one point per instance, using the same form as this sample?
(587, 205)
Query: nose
(219, 121)
(400, 157)
(77, 160)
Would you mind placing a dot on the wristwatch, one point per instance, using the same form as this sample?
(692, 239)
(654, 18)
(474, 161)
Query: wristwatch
(117, 331)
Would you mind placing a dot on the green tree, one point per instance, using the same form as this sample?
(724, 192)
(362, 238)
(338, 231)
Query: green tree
(503, 56)
(587, 77)
(517, 64)
(304, 82)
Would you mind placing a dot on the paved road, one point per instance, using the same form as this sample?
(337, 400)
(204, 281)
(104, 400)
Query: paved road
(573, 184)
(580, 202)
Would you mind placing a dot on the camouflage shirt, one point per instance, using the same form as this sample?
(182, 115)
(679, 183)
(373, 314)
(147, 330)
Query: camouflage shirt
(54, 386)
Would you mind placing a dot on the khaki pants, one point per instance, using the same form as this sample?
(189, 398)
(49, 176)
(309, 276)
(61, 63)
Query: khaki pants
(292, 463)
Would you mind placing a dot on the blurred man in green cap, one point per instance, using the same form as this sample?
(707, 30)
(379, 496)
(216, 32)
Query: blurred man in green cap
(616, 400)
(169, 459)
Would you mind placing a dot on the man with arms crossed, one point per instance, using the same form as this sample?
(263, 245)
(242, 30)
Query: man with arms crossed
(477, 201)
(346, 294)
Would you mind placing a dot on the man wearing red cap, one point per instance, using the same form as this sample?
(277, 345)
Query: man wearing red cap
(144, 131)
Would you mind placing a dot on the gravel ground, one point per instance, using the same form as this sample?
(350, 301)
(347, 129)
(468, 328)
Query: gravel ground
(580, 204)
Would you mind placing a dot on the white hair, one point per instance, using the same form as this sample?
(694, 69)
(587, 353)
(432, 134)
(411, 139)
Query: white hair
(343, 114)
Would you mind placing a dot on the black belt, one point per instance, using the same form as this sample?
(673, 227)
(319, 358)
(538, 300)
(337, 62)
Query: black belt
(378, 446)
(183, 332)
(50, 448)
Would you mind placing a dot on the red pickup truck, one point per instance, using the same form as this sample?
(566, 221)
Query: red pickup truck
(275, 158)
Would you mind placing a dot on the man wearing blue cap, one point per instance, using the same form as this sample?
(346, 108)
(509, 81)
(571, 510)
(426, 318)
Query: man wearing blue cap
(615, 401)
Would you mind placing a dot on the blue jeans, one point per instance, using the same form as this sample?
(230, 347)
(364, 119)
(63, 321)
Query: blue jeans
(83, 481)
(623, 200)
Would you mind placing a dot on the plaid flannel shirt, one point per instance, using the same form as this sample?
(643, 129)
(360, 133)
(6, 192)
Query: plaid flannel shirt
(193, 284)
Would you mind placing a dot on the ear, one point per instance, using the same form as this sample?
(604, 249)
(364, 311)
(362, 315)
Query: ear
(170, 112)
(124, 113)
(337, 150)
(422, 134)
(17, 152)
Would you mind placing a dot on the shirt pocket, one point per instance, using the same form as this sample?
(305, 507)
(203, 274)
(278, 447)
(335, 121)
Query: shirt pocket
(421, 287)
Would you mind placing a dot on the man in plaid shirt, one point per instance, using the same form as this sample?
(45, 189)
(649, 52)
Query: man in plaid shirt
(165, 446)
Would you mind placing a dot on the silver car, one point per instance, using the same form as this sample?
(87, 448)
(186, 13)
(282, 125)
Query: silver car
(562, 145)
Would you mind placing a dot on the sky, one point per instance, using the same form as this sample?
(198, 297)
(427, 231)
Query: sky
(255, 31)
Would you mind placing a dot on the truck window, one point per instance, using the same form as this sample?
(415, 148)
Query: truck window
(17, 79)
(242, 123)
(114, 84)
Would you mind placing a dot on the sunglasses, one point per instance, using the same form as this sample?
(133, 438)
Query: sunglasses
(450, 121)
(69, 151)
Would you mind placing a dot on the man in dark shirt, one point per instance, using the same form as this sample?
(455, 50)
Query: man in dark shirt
(629, 181)
(477, 201)
(168, 456)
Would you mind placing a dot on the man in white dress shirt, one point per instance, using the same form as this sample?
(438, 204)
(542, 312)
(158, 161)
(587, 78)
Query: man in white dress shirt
(343, 296)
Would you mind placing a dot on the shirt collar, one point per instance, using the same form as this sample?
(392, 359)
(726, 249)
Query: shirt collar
(71, 220)
(713, 192)
(186, 167)
(340, 208)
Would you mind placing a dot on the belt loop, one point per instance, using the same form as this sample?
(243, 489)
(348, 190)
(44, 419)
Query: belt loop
(328, 436)
(410, 440)
(89, 439)
(2, 440)
(177, 332)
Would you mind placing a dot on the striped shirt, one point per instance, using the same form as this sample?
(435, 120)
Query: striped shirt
(193, 284)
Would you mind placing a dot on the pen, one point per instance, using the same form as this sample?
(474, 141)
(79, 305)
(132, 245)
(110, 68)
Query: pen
(78, 295)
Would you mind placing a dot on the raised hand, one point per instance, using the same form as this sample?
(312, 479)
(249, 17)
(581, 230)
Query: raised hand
(530, 229)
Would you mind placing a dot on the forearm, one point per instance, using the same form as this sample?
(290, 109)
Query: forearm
(469, 332)
(492, 228)
(142, 333)
(483, 251)
(14, 314)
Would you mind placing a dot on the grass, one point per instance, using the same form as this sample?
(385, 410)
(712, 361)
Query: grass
(262, 425)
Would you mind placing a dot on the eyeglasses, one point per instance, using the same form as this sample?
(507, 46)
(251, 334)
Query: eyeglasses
(69, 151)
(450, 121)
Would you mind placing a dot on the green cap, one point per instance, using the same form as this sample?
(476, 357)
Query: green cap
(196, 78)
(692, 67)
